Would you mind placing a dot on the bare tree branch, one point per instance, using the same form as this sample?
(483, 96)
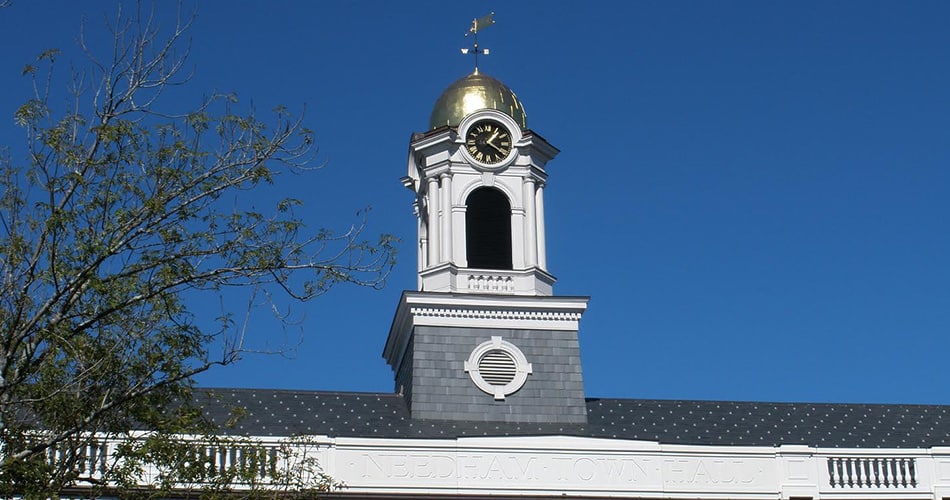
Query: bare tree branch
(118, 210)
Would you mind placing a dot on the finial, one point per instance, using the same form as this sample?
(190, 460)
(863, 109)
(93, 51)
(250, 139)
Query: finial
(478, 25)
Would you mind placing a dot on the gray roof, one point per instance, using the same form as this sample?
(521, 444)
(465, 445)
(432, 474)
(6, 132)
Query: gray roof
(266, 412)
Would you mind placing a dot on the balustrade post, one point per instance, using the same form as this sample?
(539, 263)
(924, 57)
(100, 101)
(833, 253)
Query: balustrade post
(833, 475)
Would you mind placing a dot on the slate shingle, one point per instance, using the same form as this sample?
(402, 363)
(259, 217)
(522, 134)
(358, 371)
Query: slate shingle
(265, 412)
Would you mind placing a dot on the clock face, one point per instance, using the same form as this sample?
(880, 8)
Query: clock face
(488, 141)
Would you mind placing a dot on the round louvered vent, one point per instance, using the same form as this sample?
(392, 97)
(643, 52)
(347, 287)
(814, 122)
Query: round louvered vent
(498, 367)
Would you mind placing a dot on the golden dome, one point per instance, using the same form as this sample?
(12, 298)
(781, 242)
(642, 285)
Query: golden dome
(472, 93)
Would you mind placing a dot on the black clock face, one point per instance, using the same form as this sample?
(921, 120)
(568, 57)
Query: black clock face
(488, 141)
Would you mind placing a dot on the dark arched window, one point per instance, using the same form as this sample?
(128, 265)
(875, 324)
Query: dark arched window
(488, 229)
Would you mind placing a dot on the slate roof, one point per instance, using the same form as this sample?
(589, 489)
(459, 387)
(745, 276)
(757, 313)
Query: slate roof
(266, 412)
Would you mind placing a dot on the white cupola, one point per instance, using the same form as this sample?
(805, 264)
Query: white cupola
(479, 176)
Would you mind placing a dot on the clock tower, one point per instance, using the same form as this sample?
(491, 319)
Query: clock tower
(479, 176)
(484, 338)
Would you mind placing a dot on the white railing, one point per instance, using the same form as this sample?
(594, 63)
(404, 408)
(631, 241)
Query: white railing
(242, 461)
(90, 460)
(491, 283)
(872, 472)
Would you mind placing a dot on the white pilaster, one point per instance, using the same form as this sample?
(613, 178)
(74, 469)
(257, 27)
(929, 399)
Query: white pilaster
(459, 252)
(433, 195)
(447, 218)
(539, 216)
(530, 234)
(421, 253)
(517, 238)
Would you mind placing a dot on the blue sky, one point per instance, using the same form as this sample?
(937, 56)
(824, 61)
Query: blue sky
(756, 195)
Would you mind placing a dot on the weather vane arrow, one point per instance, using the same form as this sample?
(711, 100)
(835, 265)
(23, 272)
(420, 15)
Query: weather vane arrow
(478, 25)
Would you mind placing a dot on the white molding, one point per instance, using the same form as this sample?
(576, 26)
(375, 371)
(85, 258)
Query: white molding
(497, 318)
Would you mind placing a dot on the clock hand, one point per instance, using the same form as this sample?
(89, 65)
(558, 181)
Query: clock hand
(502, 151)
(491, 142)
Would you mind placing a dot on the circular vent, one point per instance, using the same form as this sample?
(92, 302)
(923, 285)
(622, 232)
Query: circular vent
(498, 367)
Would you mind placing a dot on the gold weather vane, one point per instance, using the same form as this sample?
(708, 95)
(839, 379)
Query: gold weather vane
(478, 25)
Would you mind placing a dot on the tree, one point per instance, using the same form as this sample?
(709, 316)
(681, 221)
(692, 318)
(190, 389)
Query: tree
(117, 212)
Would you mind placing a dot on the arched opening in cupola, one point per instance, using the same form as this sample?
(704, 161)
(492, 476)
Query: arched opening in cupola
(488, 229)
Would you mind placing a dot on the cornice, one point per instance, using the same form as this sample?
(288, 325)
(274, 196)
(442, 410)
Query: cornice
(420, 313)
(422, 141)
(537, 143)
